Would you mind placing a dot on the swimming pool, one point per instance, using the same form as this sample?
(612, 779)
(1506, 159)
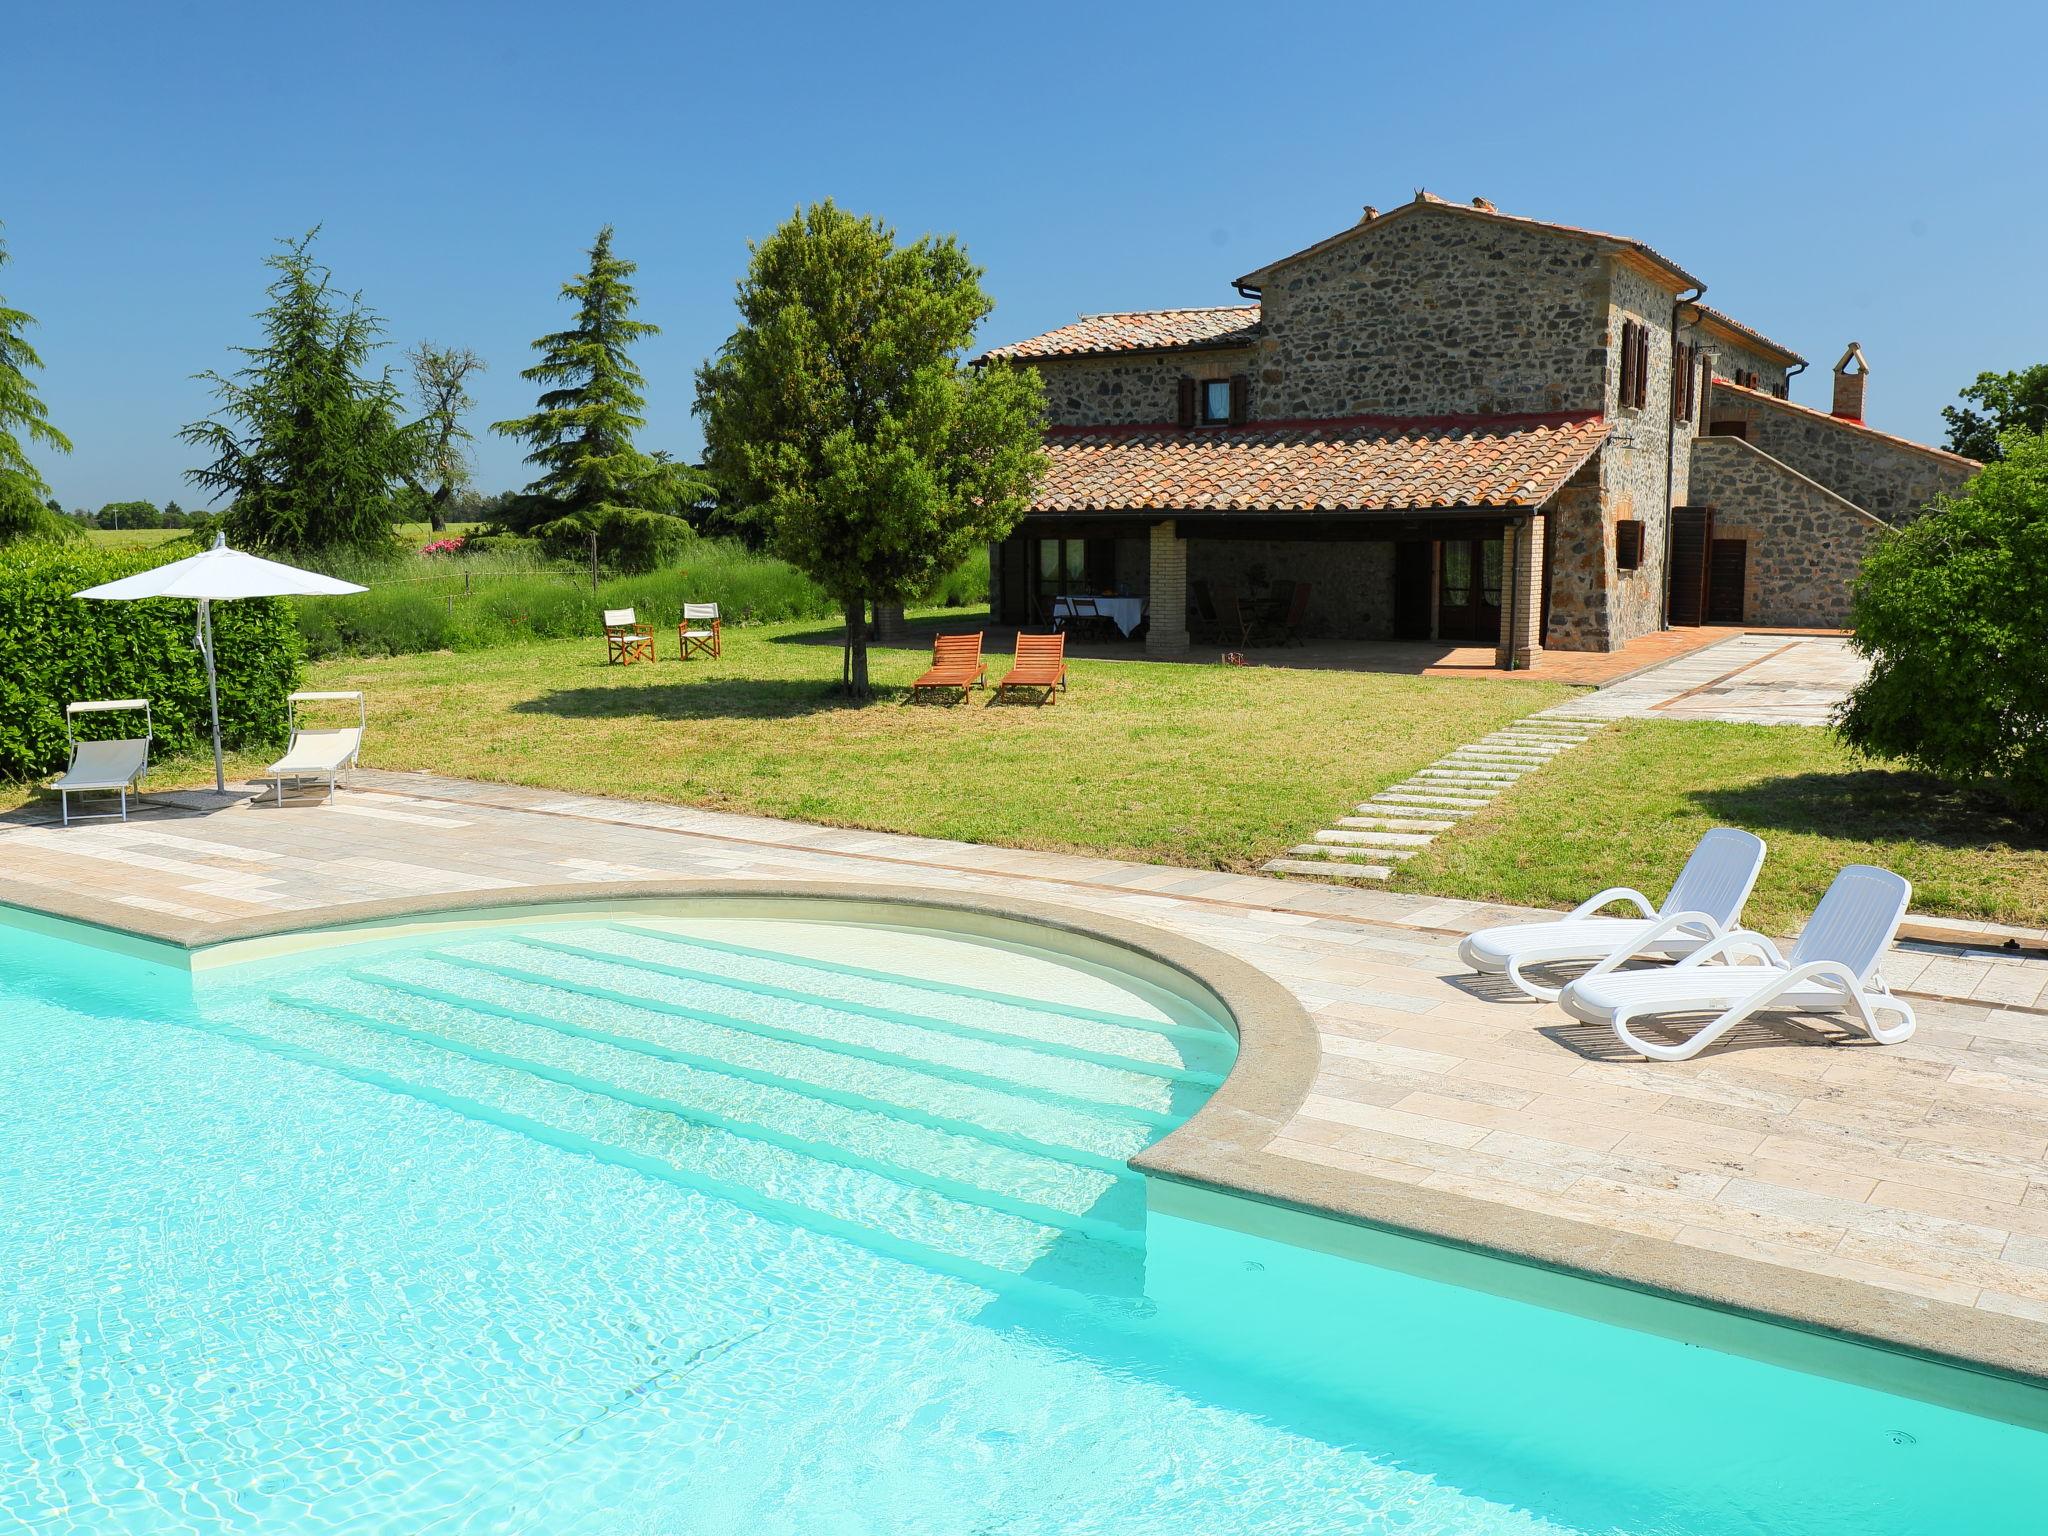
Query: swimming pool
(642, 1221)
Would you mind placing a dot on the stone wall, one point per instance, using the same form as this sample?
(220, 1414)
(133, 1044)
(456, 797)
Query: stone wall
(1883, 475)
(1643, 470)
(1353, 579)
(1806, 543)
(1580, 562)
(1433, 313)
(1731, 356)
(1124, 390)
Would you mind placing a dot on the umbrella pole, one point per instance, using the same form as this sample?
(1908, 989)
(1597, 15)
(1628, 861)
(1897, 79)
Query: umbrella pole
(220, 778)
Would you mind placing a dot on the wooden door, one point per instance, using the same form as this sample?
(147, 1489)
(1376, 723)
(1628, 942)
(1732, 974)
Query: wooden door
(1468, 589)
(1692, 530)
(1411, 589)
(1727, 571)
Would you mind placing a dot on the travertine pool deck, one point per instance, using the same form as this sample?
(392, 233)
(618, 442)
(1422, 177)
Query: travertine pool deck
(1920, 1170)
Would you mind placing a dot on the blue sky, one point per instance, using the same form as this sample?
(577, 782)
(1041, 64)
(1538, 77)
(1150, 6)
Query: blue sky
(1864, 171)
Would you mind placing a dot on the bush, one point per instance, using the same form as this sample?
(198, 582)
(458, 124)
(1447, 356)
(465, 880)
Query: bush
(55, 649)
(1952, 611)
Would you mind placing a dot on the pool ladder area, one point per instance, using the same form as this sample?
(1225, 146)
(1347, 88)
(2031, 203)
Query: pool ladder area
(972, 1132)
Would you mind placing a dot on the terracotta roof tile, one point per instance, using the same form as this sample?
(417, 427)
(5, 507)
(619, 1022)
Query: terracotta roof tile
(1727, 322)
(1140, 330)
(1812, 414)
(1355, 465)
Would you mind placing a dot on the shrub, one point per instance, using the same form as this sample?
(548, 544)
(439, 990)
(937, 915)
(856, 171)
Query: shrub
(1952, 611)
(55, 649)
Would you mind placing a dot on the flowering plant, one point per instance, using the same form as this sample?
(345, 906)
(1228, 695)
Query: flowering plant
(451, 546)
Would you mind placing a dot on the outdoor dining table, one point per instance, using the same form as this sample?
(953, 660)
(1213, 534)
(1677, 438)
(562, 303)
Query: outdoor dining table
(1126, 613)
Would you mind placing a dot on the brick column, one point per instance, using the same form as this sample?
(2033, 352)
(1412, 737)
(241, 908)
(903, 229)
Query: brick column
(1168, 634)
(1521, 609)
(890, 625)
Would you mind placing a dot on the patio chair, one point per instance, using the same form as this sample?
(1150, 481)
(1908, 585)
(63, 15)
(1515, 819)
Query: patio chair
(1203, 624)
(1705, 902)
(1289, 612)
(1083, 619)
(956, 663)
(626, 639)
(318, 752)
(114, 765)
(1041, 662)
(1233, 624)
(699, 631)
(1831, 970)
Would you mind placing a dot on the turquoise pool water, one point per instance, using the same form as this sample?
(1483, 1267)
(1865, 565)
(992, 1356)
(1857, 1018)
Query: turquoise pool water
(673, 1226)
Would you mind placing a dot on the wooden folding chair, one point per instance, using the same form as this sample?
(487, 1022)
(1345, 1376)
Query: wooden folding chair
(956, 663)
(699, 632)
(1041, 662)
(626, 639)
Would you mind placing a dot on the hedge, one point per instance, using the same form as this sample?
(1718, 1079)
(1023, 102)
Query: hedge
(55, 649)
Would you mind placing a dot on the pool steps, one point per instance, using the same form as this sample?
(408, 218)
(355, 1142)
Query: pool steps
(916, 1117)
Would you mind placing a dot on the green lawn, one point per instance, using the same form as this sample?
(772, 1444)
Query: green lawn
(1626, 808)
(1185, 764)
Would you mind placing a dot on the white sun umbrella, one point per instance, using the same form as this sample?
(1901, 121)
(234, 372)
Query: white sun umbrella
(219, 575)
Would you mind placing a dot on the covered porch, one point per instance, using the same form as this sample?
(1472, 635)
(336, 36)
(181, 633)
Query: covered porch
(1463, 587)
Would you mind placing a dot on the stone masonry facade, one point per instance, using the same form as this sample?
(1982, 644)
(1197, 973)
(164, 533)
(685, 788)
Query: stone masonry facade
(1451, 317)
(1804, 543)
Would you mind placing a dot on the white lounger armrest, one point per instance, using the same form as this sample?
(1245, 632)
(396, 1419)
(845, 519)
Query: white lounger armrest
(1608, 897)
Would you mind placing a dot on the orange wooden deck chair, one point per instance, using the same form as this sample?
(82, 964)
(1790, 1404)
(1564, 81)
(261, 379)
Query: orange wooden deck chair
(626, 638)
(1041, 663)
(956, 663)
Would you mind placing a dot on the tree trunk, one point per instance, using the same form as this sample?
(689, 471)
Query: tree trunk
(854, 675)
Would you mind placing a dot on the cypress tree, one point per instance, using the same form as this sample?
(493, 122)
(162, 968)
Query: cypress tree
(593, 482)
(23, 493)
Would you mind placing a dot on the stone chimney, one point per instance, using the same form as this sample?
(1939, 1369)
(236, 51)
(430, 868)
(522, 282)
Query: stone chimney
(1849, 385)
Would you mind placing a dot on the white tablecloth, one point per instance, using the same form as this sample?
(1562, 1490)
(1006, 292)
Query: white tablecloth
(1127, 613)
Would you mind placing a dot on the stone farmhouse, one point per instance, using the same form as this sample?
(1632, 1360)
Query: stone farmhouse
(1458, 425)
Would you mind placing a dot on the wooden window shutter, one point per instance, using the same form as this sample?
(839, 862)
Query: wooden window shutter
(1187, 402)
(1240, 399)
(1626, 395)
(1642, 365)
(1681, 409)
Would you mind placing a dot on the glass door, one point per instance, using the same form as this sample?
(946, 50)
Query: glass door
(1468, 589)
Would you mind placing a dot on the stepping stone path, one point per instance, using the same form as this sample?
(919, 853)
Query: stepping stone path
(1403, 819)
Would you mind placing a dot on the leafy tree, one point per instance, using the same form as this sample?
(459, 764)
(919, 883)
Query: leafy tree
(440, 379)
(129, 514)
(2009, 401)
(307, 442)
(593, 483)
(24, 512)
(1952, 610)
(175, 516)
(841, 415)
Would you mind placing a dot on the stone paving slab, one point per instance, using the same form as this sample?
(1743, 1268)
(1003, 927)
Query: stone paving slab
(1920, 1168)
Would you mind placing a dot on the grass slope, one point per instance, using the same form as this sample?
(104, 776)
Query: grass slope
(1627, 807)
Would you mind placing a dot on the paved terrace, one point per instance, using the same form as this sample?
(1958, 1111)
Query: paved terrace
(1920, 1169)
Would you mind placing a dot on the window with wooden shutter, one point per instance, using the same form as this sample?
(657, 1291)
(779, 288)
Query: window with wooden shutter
(1626, 395)
(1628, 544)
(1240, 399)
(1642, 365)
(1680, 409)
(1187, 402)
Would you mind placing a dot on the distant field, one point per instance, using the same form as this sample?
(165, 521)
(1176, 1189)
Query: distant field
(132, 538)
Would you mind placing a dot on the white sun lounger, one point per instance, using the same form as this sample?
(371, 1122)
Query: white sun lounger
(1832, 969)
(319, 753)
(1704, 903)
(104, 767)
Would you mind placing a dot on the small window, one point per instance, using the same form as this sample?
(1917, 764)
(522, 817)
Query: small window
(1635, 364)
(1733, 428)
(1628, 544)
(1215, 402)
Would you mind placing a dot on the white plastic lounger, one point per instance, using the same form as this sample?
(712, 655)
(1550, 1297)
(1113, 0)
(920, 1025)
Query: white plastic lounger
(1832, 969)
(104, 767)
(1704, 903)
(319, 754)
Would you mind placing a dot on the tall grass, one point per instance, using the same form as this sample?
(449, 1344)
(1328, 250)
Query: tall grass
(510, 593)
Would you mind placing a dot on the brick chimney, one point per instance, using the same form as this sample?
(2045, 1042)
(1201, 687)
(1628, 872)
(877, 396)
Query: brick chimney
(1849, 385)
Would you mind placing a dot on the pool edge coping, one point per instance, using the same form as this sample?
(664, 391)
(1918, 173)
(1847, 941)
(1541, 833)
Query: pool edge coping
(1222, 1146)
